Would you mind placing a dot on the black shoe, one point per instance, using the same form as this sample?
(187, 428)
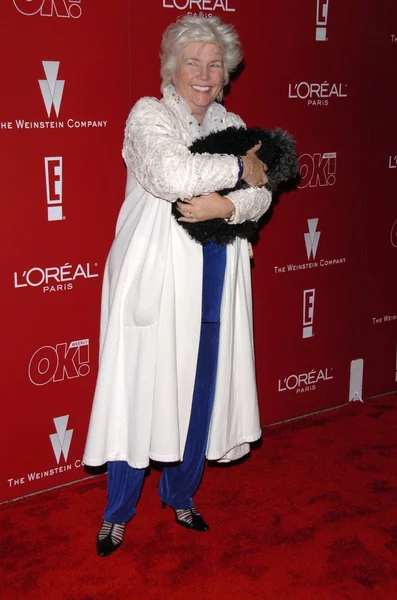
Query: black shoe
(191, 519)
(109, 538)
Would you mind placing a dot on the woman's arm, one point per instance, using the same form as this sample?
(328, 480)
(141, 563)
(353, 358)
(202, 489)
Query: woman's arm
(249, 204)
(236, 207)
(161, 161)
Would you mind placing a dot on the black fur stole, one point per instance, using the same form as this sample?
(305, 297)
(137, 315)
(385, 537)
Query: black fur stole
(278, 151)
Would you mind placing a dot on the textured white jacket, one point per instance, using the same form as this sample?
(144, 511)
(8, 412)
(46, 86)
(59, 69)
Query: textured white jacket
(151, 300)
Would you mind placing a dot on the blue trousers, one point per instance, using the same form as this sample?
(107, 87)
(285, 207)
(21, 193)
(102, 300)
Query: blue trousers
(179, 481)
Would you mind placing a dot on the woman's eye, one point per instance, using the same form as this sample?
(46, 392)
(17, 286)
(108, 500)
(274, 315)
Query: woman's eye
(216, 65)
(192, 64)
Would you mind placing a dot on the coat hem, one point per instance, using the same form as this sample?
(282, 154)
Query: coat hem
(217, 455)
(221, 455)
(97, 462)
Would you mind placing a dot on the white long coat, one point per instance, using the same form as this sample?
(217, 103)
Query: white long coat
(151, 301)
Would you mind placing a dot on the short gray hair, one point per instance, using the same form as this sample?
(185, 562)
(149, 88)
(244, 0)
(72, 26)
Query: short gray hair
(193, 28)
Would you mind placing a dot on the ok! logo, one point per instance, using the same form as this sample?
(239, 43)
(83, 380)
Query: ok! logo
(67, 360)
(50, 8)
(318, 169)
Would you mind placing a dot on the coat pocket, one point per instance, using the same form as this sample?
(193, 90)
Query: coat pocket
(143, 285)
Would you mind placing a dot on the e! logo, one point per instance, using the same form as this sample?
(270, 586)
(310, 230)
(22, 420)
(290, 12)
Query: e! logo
(53, 181)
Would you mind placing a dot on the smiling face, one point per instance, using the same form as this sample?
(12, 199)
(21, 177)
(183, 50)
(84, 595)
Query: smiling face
(199, 76)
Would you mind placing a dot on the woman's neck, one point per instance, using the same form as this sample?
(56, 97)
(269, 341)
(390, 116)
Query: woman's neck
(199, 116)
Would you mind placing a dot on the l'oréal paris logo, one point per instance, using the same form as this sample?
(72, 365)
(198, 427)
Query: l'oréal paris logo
(393, 162)
(54, 279)
(200, 5)
(393, 234)
(317, 94)
(50, 8)
(304, 382)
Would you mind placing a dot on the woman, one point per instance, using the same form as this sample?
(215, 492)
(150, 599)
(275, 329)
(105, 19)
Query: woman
(176, 380)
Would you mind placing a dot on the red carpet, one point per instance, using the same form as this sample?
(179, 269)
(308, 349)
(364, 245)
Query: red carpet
(311, 515)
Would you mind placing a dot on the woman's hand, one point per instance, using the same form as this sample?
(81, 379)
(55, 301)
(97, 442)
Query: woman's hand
(254, 172)
(204, 208)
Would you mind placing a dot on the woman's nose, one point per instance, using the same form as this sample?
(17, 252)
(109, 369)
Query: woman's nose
(204, 73)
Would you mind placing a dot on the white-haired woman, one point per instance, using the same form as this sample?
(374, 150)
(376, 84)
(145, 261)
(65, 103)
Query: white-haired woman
(176, 380)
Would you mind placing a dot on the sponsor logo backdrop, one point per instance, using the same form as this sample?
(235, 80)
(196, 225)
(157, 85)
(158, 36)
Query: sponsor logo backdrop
(325, 264)
(63, 108)
(378, 285)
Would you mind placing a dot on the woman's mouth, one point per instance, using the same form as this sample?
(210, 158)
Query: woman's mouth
(201, 88)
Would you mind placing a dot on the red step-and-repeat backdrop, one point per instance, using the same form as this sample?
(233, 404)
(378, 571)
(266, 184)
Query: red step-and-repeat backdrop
(324, 271)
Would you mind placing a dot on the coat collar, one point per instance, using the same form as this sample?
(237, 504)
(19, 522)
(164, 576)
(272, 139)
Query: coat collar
(214, 120)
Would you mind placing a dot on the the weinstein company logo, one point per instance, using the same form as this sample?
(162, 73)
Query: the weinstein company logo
(50, 8)
(61, 439)
(308, 312)
(64, 361)
(53, 182)
(392, 162)
(317, 169)
(60, 442)
(384, 319)
(312, 238)
(51, 88)
(322, 20)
